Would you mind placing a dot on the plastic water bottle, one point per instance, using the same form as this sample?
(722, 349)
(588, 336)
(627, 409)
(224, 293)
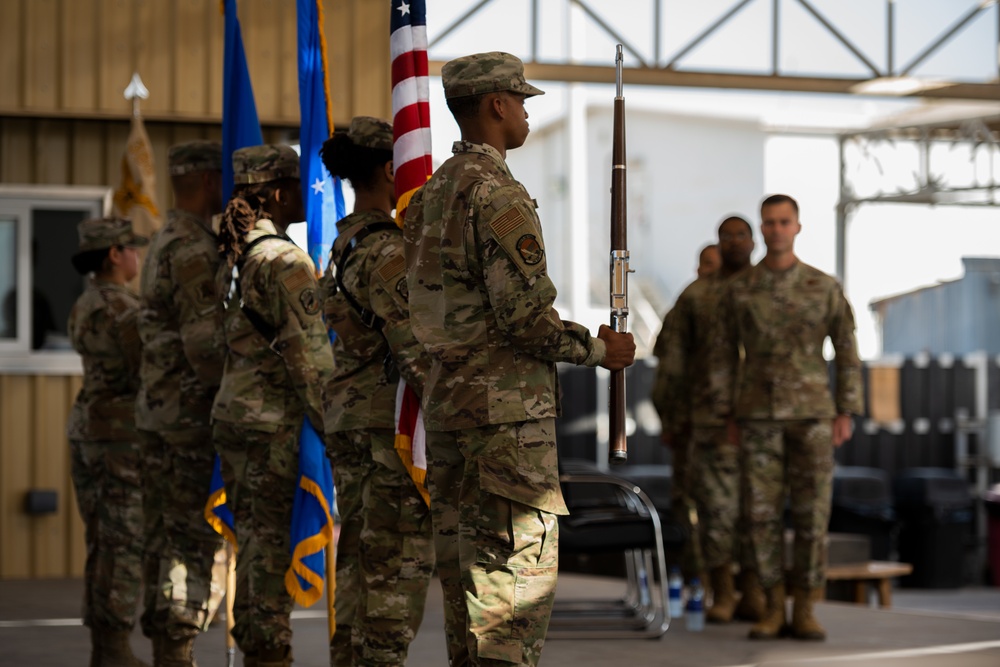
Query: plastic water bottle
(696, 607)
(675, 591)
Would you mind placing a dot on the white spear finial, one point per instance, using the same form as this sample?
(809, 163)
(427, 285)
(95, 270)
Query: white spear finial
(135, 91)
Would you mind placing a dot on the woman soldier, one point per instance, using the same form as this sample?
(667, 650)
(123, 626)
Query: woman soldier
(278, 363)
(106, 458)
(385, 554)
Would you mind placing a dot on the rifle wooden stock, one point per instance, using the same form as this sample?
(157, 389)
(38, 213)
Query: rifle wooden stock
(618, 446)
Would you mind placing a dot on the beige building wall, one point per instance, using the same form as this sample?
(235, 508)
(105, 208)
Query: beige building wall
(63, 120)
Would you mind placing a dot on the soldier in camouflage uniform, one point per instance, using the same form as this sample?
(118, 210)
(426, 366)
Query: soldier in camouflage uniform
(385, 552)
(278, 364)
(180, 323)
(687, 405)
(675, 420)
(779, 402)
(481, 303)
(104, 446)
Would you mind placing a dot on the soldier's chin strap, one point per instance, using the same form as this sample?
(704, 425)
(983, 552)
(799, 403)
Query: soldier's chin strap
(368, 317)
(268, 331)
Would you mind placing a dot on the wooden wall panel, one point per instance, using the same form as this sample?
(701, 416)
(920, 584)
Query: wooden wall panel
(12, 54)
(52, 150)
(48, 458)
(116, 37)
(78, 55)
(41, 54)
(17, 155)
(87, 153)
(74, 544)
(191, 57)
(337, 28)
(15, 476)
(216, 48)
(371, 90)
(262, 41)
(154, 61)
(288, 79)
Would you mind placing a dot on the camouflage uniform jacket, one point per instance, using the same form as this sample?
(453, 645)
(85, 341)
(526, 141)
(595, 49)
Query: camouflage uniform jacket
(481, 297)
(781, 320)
(362, 394)
(102, 329)
(684, 391)
(270, 383)
(180, 323)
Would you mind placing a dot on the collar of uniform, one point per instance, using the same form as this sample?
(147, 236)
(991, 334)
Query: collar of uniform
(266, 225)
(484, 149)
(195, 219)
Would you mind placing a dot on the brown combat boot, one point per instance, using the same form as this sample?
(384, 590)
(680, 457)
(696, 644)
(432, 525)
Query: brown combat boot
(753, 602)
(176, 652)
(723, 596)
(275, 657)
(773, 622)
(115, 650)
(804, 624)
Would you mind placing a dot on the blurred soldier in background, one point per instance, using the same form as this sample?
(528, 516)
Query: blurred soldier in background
(781, 411)
(180, 323)
(104, 446)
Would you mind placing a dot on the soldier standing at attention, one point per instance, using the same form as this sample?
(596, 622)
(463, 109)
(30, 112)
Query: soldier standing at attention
(712, 479)
(385, 553)
(781, 410)
(180, 323)
(481, 303)
(675, 421)
(278, 363)
(104, 446)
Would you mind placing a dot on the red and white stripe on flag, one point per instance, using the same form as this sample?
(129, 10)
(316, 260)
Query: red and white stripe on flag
(411, 153)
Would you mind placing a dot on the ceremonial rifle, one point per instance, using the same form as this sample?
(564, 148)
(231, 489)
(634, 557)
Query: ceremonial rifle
(618, 450)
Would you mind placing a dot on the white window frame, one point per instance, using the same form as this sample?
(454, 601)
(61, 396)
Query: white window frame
(18, 201)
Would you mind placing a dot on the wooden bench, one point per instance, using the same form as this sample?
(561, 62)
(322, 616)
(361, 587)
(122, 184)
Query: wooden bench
(880, 573)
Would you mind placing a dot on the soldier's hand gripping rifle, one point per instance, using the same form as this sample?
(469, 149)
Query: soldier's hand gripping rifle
(618, 450)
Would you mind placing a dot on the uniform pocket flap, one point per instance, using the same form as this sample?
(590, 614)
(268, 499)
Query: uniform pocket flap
(529, 487)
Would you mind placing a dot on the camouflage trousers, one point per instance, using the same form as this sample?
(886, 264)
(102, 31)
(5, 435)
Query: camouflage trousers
(494, 500)
(260, 470)
(684, 510)
(107, 477)
(385, 552)
(715, 482)
(180, 545)
(793, 458)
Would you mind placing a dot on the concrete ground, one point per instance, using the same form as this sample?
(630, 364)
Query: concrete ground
(40, 627)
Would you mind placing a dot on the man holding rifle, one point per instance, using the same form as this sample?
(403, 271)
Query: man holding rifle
(481, 303)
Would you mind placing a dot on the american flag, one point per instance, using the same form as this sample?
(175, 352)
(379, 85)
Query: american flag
(411, 152)
(411, 111)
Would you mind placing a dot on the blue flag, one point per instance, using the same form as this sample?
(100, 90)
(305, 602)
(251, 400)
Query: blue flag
(240, 127)
(312, 520)
(321, 193)
(217, 512)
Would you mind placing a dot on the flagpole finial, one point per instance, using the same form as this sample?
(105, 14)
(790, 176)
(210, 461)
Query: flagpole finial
(136, 91)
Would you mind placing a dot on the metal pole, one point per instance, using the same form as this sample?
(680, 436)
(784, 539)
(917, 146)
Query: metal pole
(775, 27)
(889, 28)
(841, 239)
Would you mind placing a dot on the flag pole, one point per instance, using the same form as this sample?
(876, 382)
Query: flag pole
(230, 603)
(331, 585)
(136, 91)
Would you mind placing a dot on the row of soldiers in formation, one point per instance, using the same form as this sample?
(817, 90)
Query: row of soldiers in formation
(226, 350)
(746, 435)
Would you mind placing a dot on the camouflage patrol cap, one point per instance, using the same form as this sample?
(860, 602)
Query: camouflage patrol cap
(371, 133)
(192, 156)
(485, 73)
(265, 163)
(101, 233)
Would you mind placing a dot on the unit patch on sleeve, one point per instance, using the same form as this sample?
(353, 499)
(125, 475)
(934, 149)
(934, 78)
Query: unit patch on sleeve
(529, 249)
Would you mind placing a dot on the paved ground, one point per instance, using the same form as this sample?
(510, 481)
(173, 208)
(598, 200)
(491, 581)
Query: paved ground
(39, 627)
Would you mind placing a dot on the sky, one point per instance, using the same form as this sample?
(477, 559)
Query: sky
(891, 248)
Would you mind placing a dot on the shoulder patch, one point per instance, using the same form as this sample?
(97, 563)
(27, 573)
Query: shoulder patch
(296, 280)
(392, 268)
(507, 222)
(530, 249)
(309, 301)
